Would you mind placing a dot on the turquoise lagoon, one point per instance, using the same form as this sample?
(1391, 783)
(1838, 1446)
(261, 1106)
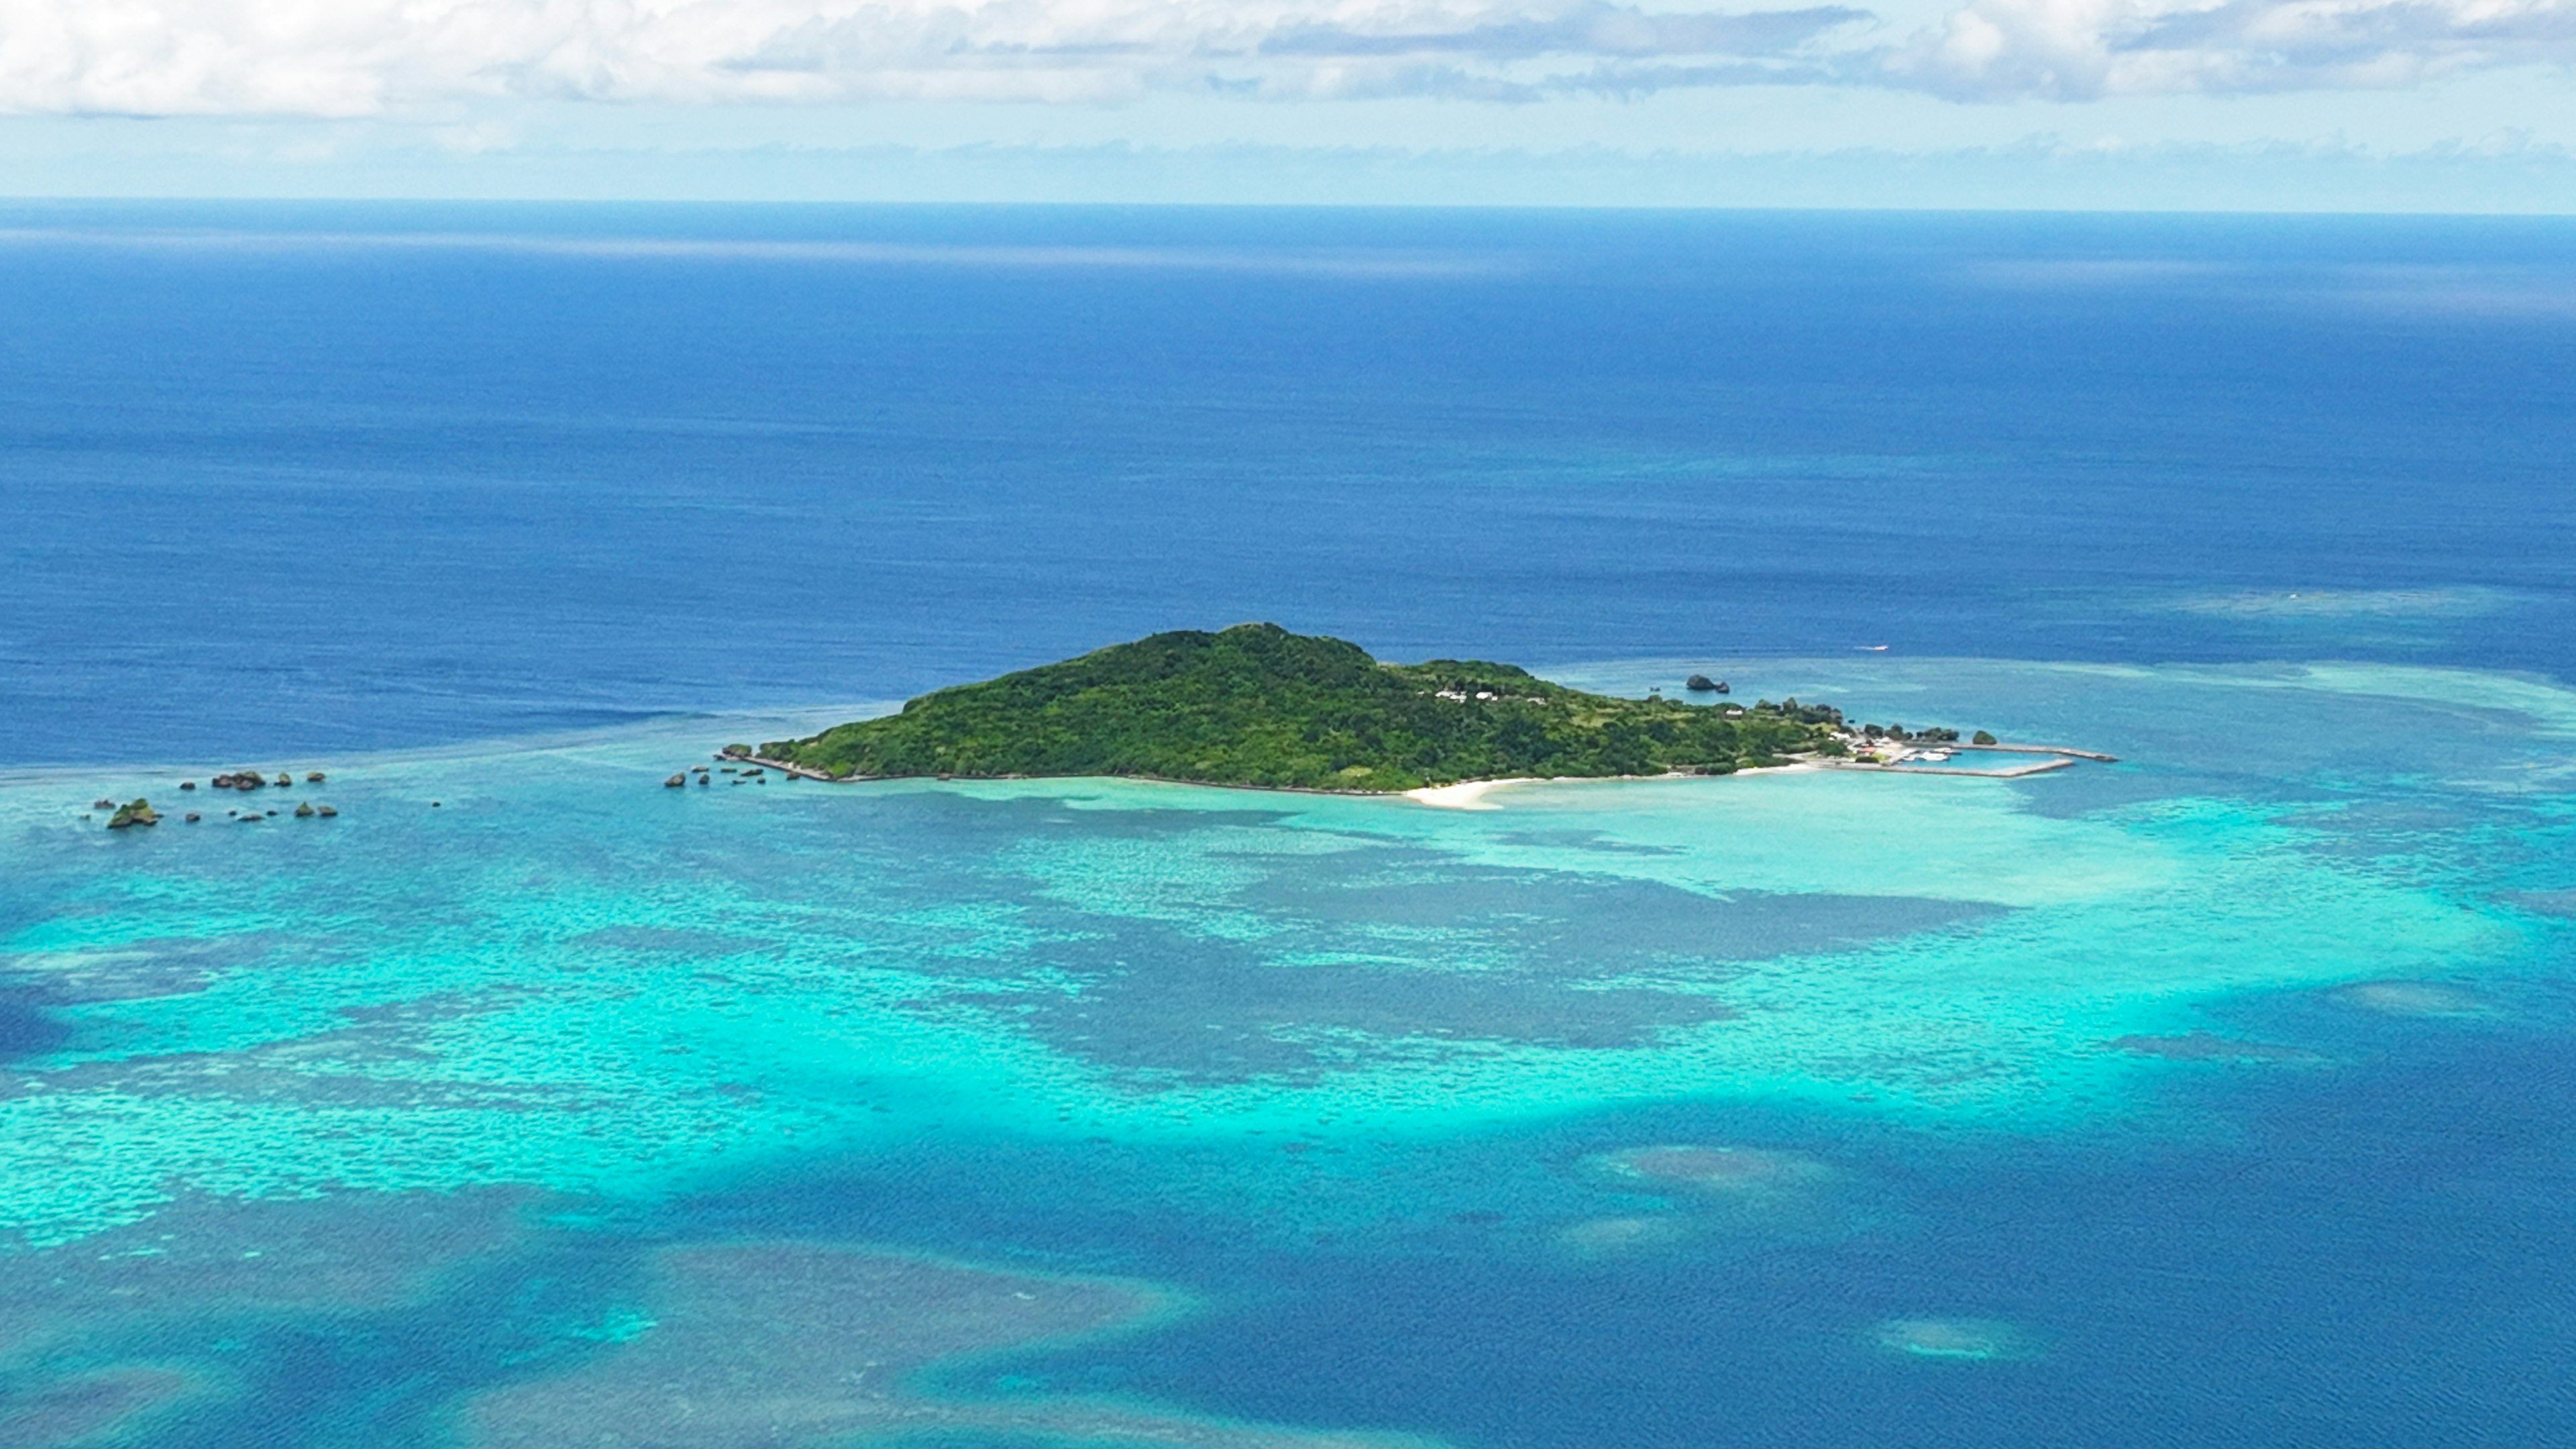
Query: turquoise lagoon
(530, 1100)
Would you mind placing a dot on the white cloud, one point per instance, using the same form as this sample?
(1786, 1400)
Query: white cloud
(2087, 49)
(370, 57)
(365, 57)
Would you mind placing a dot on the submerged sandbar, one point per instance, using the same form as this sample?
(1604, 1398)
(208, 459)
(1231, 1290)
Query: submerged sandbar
(784, 1343)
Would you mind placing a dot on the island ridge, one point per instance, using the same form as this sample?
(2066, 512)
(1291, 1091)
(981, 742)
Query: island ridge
(1257, 705)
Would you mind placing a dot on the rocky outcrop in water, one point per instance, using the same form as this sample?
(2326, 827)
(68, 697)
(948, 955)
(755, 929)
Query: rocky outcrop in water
(140, 812)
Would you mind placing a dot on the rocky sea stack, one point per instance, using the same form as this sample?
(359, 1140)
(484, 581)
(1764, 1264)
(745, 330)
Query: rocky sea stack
(138, 812)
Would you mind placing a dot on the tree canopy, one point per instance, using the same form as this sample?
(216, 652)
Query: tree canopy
(1257, 705)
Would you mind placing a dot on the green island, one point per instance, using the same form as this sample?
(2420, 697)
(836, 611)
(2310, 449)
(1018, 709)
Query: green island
(1257, 705)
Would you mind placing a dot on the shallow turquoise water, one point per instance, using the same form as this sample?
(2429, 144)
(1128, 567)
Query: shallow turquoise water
(566, 1000)
(2213, 1098)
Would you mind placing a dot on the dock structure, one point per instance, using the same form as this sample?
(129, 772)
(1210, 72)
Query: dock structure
(784, 768)
(2040, 750)
(2015, 772)
(2053, 757)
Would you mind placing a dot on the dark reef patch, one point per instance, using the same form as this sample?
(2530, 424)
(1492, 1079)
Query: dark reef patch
(2430, 999)
(2207, 1046)
(766, 1345)
(1236, 1015)
(142, 969)
(27, 1029)
(1378, 951)
(1369, 949)
(90, 1407)
(2544, 903)
(670, 940)
(1593, 918)
(203, 1257)
(1592, 840)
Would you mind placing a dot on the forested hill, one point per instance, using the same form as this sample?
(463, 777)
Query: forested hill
(1257, 705)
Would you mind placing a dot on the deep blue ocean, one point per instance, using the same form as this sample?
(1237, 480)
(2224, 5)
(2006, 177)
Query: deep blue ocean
(2219, 1097)
(321, 477)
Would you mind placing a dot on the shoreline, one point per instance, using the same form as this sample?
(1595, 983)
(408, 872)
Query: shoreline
(1476, 787)
(1466, 794)
(2016, 772)
(1458, 795)
(1470, 794)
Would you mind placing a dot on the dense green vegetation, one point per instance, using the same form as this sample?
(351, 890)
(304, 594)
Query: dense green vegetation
(1257, 705)
(138, 813)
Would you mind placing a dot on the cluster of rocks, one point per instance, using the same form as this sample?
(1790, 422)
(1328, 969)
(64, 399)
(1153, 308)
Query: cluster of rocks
(127, 816)
(305, 810)
(140, 812)
(741, 775)
(254, 780)
(1702, 684)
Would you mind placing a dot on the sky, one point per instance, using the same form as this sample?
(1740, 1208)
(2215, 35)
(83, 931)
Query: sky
(2353, 105)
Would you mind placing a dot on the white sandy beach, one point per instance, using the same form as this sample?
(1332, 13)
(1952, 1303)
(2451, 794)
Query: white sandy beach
(1466, 795)
(1470, 794)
